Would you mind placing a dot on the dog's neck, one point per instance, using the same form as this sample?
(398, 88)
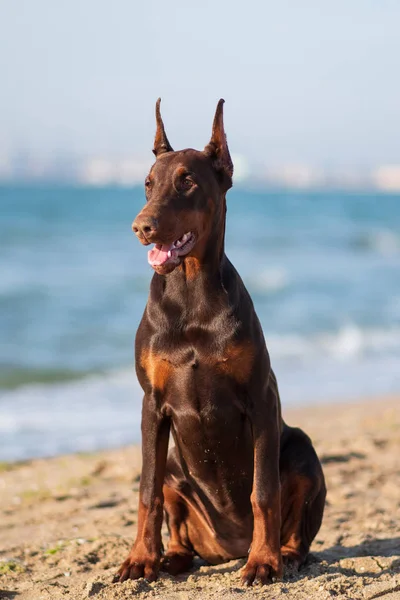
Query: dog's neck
(198, 279)
(206, 262)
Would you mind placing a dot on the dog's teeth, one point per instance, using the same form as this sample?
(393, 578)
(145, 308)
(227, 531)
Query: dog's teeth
(182, 240)
(169, 254)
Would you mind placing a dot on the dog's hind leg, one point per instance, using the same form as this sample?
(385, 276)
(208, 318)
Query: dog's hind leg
(179, 555)
(302, 495)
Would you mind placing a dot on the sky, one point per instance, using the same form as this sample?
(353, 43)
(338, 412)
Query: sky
(315, 81)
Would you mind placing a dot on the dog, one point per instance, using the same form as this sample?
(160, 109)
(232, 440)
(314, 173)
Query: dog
(238, 481)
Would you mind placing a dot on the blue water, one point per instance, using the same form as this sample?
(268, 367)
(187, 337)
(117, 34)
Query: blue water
(322, 268)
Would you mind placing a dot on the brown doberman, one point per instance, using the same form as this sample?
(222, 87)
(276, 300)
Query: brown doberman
(238, 480)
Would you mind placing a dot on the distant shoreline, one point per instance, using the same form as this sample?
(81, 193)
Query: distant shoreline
(241, 185)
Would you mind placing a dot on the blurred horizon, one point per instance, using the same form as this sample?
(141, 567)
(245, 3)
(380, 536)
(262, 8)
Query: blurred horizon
(309, 88)
(130, 171)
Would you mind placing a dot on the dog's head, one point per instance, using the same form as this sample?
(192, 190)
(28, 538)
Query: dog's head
(185, 194)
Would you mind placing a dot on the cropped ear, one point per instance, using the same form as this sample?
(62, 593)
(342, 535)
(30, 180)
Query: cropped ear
(161, 143)
(217, 148)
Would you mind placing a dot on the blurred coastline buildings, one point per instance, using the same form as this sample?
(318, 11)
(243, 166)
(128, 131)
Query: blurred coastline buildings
(25, 167)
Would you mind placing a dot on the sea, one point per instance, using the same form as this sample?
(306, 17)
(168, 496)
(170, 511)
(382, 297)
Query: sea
(322, 267)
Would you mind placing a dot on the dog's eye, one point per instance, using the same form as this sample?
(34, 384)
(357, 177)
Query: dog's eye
(187, 183)
(147, 183)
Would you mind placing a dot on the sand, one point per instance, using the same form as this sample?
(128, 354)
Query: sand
(66, 523)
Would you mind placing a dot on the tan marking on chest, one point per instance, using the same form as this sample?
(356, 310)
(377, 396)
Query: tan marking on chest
(158, 369)
(237, 361)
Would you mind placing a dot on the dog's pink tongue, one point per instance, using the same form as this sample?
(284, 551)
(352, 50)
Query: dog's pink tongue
(158, 255)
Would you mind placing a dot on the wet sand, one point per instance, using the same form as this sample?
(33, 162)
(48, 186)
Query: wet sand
(66, 523)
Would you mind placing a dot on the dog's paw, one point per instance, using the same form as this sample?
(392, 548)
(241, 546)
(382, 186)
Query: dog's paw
(175, 563)
(291, 559)
(262, 569)
(135, 567)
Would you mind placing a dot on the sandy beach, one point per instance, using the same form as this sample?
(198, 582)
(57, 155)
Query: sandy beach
(68, 522)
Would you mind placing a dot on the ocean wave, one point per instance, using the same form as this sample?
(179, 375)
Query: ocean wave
(99, 411)
(103, 411)
(349, 341)
(268, 281)
(384, 241)
(15, 377)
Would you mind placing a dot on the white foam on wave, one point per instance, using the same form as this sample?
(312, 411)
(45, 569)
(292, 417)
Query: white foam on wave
(269, 280)
(383, 241)
(95, 412)
(349, 341)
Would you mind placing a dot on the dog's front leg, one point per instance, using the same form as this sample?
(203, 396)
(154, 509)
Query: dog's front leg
(144, 557)
(265, 561)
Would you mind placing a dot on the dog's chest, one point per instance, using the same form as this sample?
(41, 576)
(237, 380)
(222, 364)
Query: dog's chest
(186, 364)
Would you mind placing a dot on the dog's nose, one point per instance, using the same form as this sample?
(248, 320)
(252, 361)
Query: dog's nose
(144, 226)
